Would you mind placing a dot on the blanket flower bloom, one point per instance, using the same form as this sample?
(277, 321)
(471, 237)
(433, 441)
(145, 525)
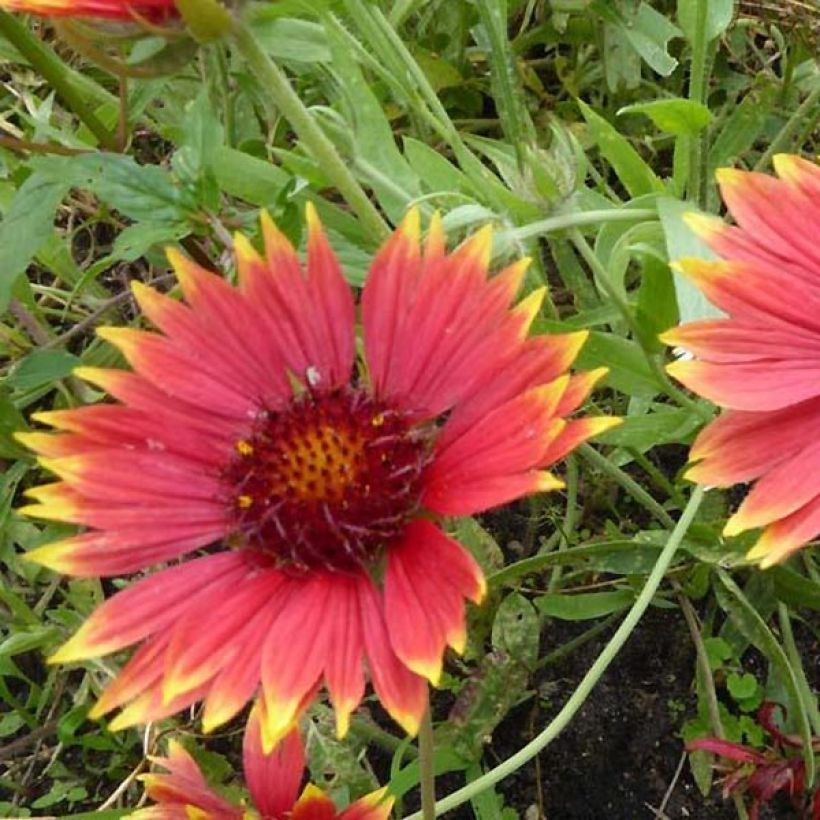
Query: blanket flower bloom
(762, 362)
(247, 426)
(128, 10)
(273, 782)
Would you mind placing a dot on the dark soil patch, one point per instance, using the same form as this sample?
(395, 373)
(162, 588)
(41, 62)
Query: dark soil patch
(619, 756)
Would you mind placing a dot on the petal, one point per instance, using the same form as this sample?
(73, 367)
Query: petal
(184, 786)
(142, 672)
(428, 576)
(761, 385)
(334, 300)
(435, 326)
(781, 491)
(344, 674)
(135, 477)
(114, 552)
(729, 341)
(151, 605)
(294, 651)
(273, 779)
(538, 361)
(509, 442)
(780, 539)
(388, 292)
(314, 804)
(575, 432)
(756, 294)
(223, 330)
(402, 693)
(373, 806)
(787, 229)
(207, 640)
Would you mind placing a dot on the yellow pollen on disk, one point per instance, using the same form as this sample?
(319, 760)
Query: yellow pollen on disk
(244, 448)
(320, 463)
(245, 501)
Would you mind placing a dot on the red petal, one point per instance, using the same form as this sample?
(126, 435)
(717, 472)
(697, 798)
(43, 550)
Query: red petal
(428, 576)
(402, 693)
(152, 605)
(273, 779)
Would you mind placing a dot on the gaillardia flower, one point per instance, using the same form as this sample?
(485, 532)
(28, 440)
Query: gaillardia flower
(762, 362)
(129, 10)
(312, 477)
(273, 781)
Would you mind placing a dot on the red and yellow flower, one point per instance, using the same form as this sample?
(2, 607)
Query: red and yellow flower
(312, 477)
(762, 362)
(273, 782)
(130, 10)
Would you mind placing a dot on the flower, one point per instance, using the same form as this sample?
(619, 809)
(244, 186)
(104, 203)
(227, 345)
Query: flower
(316, 485)
(130, 10)
(273, 781)
(764, 774)
(763, 361)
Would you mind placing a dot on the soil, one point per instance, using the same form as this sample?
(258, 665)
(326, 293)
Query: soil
(619, 757)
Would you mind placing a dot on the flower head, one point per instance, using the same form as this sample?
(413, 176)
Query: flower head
(273, 780)
(129, 10)
(314, 477)
(762, 362)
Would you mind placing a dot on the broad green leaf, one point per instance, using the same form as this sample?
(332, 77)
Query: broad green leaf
(26, 227)
(674, 115)
(717, 14)
(629, 371)
(637, 177)
(681, 241)
(651, 429)
(42, 367)
(583, 606)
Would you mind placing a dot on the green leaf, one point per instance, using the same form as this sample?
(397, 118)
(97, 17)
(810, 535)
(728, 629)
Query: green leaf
(742, 686)
(718, 652)
(42, 367)
(629, 371)
(637, 177)
(673, 115)
(681, 241)
(717, 16)
(584, 606)
(26, 227)
(651, 429)
(794, 589)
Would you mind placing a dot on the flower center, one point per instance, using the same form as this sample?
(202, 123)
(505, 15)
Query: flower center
(328, 481)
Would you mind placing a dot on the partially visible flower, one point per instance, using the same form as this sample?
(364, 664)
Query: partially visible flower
(763, 775)
(130, 10)
(763, 361)
(273, 781)
(318, 481)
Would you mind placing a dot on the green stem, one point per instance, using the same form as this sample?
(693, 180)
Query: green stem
(806, 114)
(793, 654)
(585, 687)
(52, 69)
(570, 518)
(427, 766)
(627, 483)
(580, 219)
(697, 93)
(276, 84)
